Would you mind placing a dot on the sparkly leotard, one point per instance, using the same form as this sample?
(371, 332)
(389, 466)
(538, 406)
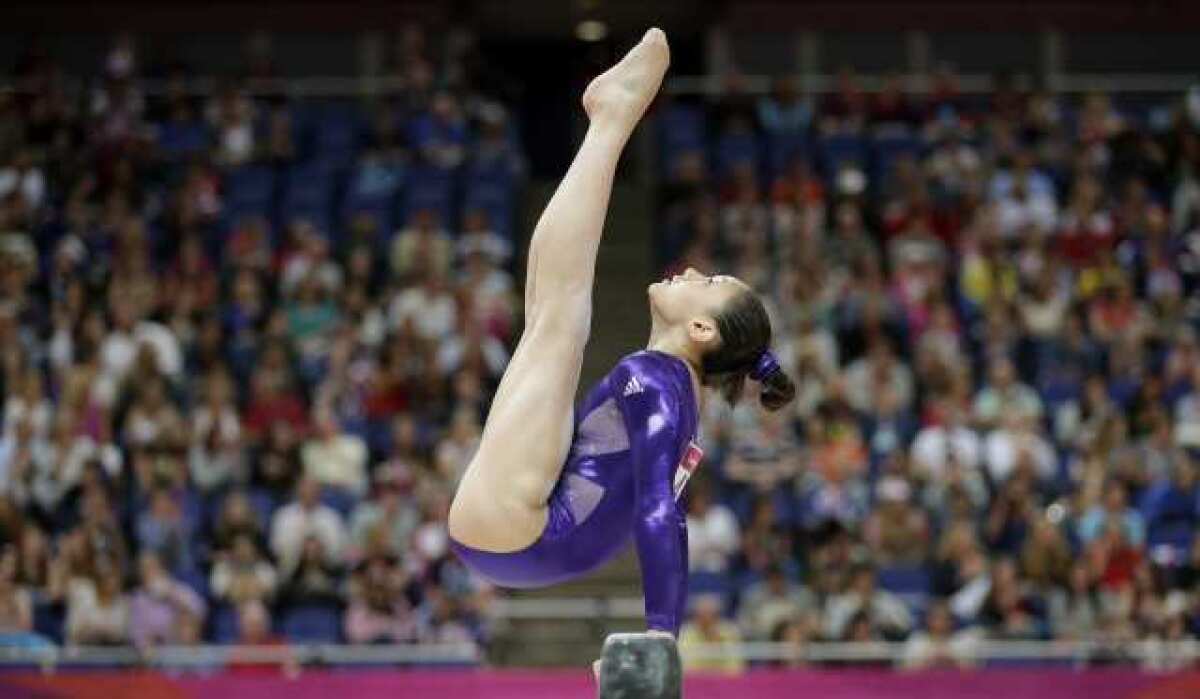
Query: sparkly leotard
(632, 451)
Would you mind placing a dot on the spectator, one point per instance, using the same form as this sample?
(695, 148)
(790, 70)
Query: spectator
(785, 112)
(385, 524)
(1074, 612)
(163, 611)
(335, 458)
(897, 531)
(429, 307)
(1113, 511)
(254, 634)
(707, 627)
(422, 246)
(454, 453)
(254, 625)
(163, 528)
(877, 370)
(1004, 396)
(1016, 445)
(98, 611)
(242, 574)
(315, 579)
(440, 619)
(304, 519)
(939, 645)
(881, 610)
(773, 601)
(712, 531)
(946, 440)
(236, 518)
(216, 457)
(379, 611)
(16, 606)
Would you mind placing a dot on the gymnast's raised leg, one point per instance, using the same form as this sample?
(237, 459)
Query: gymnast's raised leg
(500, 505)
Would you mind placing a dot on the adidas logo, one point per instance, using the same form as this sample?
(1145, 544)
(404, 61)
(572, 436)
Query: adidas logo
(634, 386)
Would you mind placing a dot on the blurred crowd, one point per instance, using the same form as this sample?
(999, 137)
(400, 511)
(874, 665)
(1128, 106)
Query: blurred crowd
(988, 303)
(226, 417)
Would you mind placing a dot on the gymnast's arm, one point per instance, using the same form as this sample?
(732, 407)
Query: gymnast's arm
(660, 530)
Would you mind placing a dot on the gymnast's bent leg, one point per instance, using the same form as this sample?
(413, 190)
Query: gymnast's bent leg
(500, 505)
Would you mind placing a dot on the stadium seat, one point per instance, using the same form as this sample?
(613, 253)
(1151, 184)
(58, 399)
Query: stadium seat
(338, 134)
(681, 127)
(783, 150)
(340, 500)
(496, 201)
(223, 624)
(264, 503)
(704, 582)
(844, 149)
(308, 195)
(249, 191)
(49, 619)
(430, 188)
(178, 141)
(911, 584)
(311, 623)
(890, 146)
(734, 149)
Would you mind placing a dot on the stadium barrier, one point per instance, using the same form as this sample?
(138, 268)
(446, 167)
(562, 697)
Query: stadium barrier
(1078, 653)
(333, 86)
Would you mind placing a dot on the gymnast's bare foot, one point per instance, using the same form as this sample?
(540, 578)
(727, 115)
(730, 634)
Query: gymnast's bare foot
(619, 96)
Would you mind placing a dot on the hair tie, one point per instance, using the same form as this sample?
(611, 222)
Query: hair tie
(766, 365)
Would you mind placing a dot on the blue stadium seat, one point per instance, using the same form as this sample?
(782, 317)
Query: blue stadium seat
(1177, 535)
(835, 151)
(494, 200)
(704, 583)
(430, 188)
(911, 584)
(308, 195)
(311, 623)
(250, 191)
(681, 127)
(264, 505)
(734, 149)
(784, 149)
(337, 134)
(223, 624)
(340, 500)
(887, 148)
(49, 620)
(180, 140)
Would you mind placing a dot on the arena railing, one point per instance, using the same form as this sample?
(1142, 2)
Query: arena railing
(205, 657)
(1075, 653)
(968, 83)
(333, 86)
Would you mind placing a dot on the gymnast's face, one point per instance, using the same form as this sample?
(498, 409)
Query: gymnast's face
(693, 299)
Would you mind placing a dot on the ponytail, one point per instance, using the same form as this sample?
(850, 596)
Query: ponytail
(777, 387)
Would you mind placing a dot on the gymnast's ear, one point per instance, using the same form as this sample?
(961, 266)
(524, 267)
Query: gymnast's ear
(702, 330)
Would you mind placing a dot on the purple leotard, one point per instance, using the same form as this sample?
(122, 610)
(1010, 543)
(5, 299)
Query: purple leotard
(632, 433)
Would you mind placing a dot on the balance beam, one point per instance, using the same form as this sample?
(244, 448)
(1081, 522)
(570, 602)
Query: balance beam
(640, 666)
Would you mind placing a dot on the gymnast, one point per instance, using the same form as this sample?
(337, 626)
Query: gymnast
(553, 493)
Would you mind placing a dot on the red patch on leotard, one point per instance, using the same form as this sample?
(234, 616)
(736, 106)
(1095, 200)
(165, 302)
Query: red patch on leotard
(687, 466)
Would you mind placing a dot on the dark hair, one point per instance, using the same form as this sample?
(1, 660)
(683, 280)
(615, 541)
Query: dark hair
(745, 330)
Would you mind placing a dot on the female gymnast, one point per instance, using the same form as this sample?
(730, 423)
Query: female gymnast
(552, 494)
